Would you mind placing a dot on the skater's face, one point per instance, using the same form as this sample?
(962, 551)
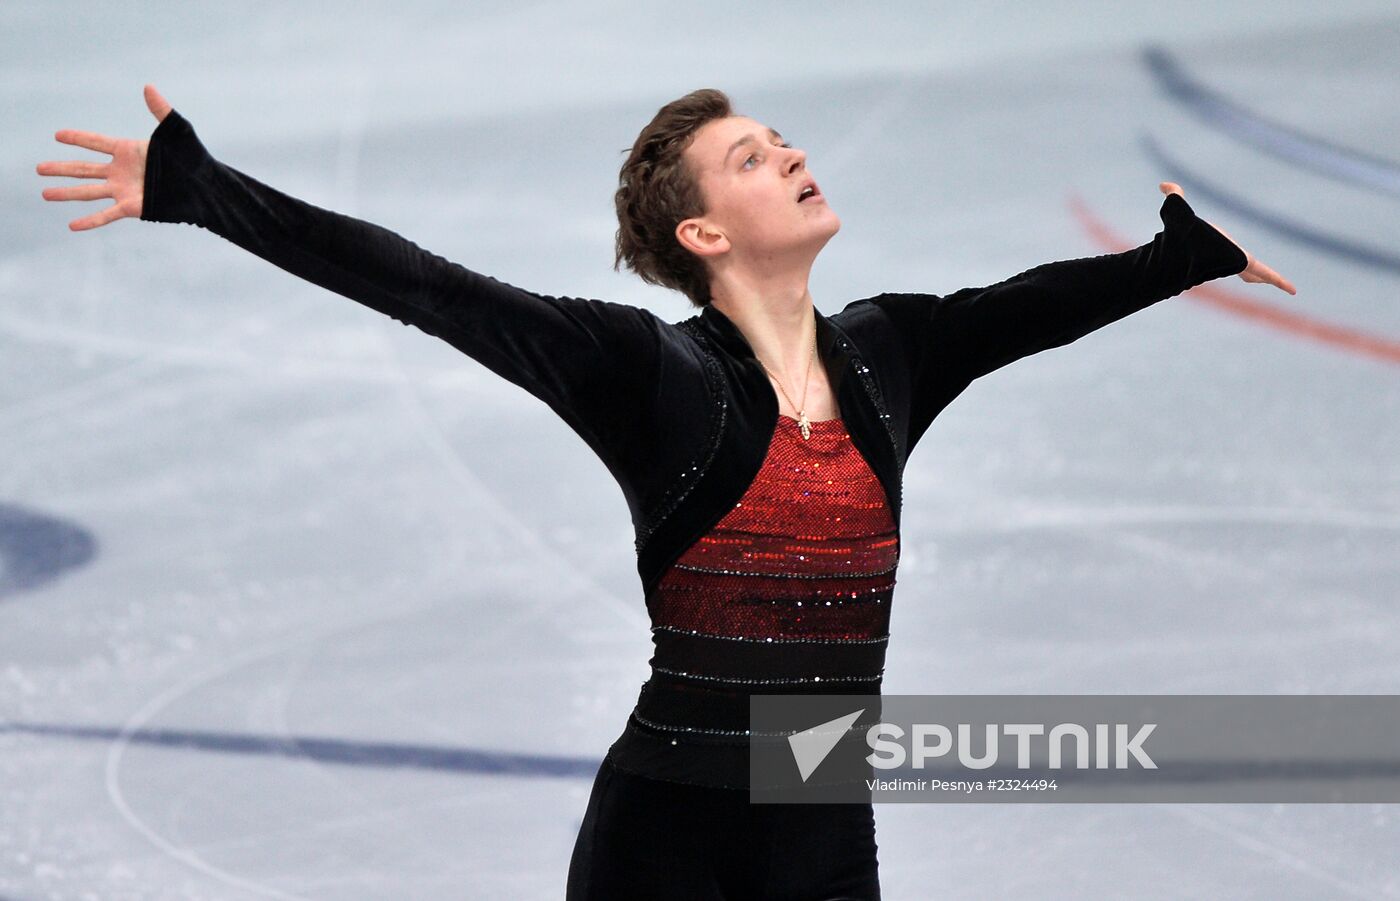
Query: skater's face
(760, 200)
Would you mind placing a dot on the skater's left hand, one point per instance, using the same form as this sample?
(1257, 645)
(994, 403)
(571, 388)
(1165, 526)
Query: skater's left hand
(1254, 272)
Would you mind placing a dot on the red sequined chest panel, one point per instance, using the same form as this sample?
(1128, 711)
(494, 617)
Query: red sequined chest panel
(788, 593)
(808, 552)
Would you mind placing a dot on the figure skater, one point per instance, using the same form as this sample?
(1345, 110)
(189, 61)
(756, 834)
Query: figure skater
(759, 444)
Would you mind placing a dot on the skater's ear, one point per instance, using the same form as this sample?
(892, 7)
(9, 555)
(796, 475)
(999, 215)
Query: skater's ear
(702, 238)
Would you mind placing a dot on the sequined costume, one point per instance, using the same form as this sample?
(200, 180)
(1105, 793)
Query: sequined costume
(686, 420)
(789, 592)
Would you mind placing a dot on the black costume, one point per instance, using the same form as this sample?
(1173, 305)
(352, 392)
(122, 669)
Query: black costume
(683, 414)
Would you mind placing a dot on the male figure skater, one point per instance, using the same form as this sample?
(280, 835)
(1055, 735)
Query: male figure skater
(759, 444)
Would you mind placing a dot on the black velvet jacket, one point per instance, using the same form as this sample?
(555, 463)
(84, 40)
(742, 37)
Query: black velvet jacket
(682, 414)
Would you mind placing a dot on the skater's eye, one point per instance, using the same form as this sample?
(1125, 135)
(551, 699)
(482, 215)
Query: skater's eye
(751, 157)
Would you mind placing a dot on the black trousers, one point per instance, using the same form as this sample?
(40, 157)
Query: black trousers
(649, 840)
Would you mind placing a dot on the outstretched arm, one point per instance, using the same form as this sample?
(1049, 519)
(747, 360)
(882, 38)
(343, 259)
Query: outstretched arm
(952, 340)
(585, 358)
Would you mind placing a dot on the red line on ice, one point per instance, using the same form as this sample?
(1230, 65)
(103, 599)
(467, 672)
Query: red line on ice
(1261, 312)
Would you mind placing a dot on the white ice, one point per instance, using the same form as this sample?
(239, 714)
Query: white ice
(284, 585)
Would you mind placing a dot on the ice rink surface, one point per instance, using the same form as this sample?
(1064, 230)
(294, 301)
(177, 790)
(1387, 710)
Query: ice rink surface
(296, 602)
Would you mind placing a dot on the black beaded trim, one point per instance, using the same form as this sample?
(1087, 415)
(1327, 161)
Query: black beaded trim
(873, 391)
(734, 572)
(796, 680)
(652, 724)
(878, 399)
(793, 603)
(854, 729)
(690, 477)
(769, 640)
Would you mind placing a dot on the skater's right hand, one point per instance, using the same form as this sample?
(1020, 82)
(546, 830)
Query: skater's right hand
(123, 179)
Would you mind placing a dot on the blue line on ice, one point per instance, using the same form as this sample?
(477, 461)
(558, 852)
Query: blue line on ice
(333, 750)
(1248, 127)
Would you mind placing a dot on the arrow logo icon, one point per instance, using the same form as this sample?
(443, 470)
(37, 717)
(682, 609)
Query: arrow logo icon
(810, 747)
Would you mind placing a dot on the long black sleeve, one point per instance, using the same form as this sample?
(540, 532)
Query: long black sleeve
(595, 363)
(954, 339)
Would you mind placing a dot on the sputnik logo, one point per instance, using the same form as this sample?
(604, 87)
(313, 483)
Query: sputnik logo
(810, 747)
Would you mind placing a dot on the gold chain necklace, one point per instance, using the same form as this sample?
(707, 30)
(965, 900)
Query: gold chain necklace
(803, 424)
